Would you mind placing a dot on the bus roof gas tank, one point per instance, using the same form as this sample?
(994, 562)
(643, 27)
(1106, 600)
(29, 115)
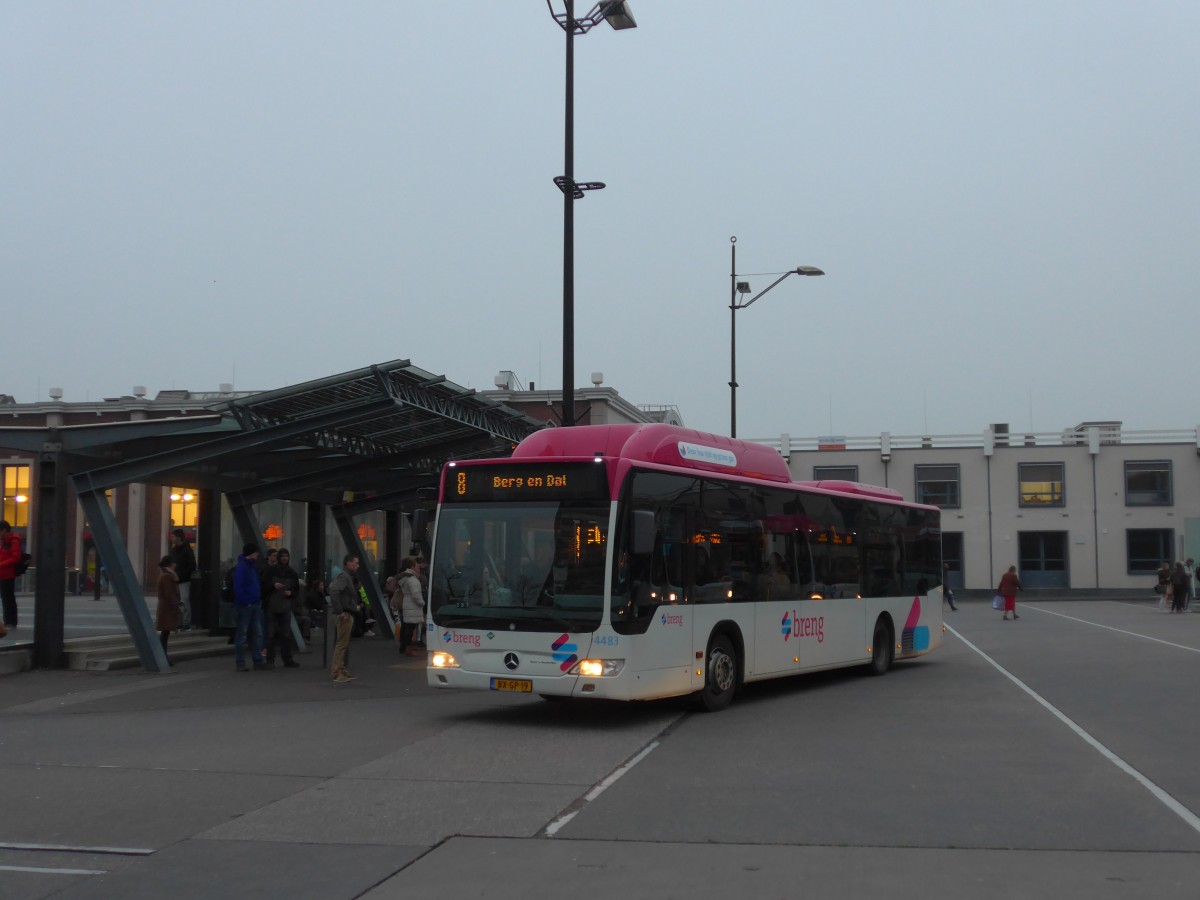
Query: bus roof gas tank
(855, 487)
(657, 443)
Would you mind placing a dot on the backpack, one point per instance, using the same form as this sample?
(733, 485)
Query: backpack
(21, 566)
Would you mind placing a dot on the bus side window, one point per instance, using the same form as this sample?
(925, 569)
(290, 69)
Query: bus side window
(777, 577)
(804, 564)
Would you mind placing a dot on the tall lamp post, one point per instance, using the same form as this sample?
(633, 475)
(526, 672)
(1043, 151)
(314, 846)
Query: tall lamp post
(742, 288)
(616, 13)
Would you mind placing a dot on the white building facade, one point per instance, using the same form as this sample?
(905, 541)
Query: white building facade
(1092, 508)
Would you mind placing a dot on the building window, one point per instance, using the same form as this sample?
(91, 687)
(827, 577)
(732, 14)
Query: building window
(1148, 548)
(1148, 483)
(16, 496)
(835, 473)
(938, 486)
(184, 502)
(1041, 484)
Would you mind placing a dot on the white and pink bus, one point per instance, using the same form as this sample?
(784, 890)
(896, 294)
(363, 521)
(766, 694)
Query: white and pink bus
(635, 562)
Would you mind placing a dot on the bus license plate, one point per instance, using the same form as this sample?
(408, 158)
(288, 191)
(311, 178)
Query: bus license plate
(523, 685)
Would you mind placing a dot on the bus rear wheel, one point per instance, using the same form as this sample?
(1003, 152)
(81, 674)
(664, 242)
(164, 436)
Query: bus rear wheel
(720, 676)
(882, 651)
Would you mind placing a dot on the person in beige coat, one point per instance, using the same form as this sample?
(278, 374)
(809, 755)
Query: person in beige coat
(412, 606)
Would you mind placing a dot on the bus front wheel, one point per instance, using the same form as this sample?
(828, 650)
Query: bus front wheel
(882, 652)
(720, 677)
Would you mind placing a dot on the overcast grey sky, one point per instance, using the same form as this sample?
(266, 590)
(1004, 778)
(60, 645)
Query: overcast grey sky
(1005, 197)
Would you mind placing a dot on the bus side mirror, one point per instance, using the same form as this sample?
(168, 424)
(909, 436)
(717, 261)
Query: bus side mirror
(643, 532)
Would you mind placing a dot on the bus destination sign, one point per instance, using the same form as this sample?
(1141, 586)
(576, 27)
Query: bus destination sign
(527, 481)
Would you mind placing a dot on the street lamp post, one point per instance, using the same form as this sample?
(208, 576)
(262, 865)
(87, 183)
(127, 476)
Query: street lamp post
(616, 13)
(743, 287)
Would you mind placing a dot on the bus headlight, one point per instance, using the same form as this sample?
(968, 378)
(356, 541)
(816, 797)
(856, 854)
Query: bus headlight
(440, 659)
(598, 668)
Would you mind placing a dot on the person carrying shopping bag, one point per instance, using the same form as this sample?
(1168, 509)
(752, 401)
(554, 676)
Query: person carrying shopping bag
(1009, 585)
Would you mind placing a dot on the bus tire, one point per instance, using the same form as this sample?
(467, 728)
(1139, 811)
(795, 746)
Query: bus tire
(882, 651)
(720, 674)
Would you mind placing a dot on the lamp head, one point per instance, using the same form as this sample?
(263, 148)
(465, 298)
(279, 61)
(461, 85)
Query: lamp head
(807, 270)
(616, 13)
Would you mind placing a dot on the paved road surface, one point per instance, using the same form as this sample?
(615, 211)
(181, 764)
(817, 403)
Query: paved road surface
(1055, 756)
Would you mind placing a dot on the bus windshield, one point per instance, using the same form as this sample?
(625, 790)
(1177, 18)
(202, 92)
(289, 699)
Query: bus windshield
(520, 566)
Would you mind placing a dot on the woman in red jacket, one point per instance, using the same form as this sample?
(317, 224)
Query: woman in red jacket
(10, 555)
(1009, 585)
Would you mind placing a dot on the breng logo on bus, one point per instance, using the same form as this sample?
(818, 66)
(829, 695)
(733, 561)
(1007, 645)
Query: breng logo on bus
(672, 619)
(564, 652)
(797, 627)
(451, 637)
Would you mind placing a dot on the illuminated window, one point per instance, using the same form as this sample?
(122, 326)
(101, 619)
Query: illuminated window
(184, 504)
(16, 496)
(1042, 484)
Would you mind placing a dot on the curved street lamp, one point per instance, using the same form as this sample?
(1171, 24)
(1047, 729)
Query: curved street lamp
(743, 287)
(615, 13)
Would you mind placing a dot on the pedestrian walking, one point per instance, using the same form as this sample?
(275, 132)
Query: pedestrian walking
(946, 590)
(1009, 585)
(1189, 566)
(1179, 587)
(343, 600)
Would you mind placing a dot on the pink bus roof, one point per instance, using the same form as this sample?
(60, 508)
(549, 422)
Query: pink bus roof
(683, 448)
(656, 443)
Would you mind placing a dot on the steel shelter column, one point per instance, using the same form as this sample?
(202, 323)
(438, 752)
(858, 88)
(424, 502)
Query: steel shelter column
(128, 590)
(206, 603)
(393, 550)
(314, 546)
(49, 599)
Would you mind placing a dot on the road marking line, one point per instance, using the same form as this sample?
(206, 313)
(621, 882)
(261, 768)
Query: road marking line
(38, 870)
(1144, 637)
(70, 848)
(599, 789)
(1162, 796)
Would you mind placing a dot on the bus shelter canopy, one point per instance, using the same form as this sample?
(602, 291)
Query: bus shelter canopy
(380, 429)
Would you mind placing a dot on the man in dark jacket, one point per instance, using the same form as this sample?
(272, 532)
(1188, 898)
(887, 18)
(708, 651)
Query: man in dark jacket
(185, 569)
(283, 586)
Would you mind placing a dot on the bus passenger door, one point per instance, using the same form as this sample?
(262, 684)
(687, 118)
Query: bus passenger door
(664, 658)
(778, 591)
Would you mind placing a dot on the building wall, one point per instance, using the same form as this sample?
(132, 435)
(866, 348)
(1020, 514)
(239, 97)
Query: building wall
(1095, 517)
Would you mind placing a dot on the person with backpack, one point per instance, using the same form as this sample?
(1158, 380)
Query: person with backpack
(10, 559)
